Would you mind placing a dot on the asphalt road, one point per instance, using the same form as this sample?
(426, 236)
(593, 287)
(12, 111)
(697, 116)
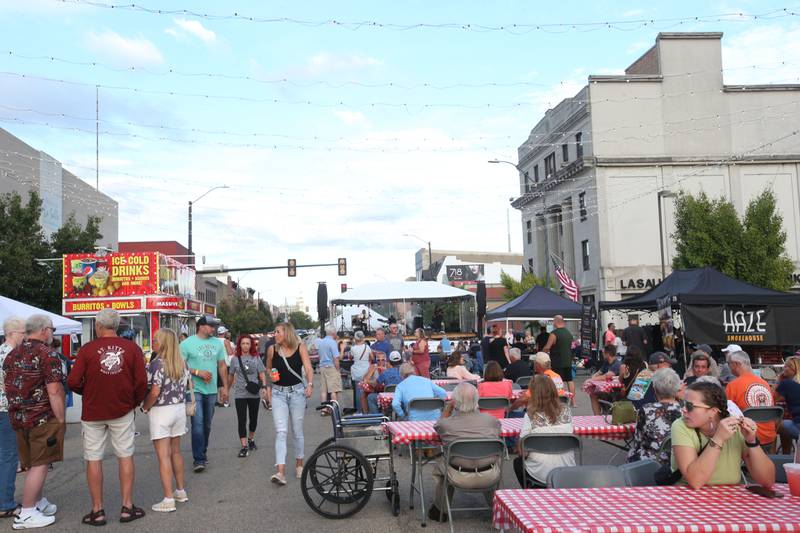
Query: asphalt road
(235, 494)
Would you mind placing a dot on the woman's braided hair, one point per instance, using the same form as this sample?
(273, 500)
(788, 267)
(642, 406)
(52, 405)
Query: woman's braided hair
(713, 396)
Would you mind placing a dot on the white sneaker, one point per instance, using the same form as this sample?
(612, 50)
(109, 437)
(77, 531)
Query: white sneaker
(167, 505)
(180, 496)
(32, 520)
(46, 508)
(278, 478)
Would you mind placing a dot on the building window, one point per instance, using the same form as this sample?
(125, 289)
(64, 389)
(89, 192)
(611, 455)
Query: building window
(582, 206)
(585, 254)
(579, 144)
(565, 152)
(536, 173)
(530, 265)
(549, 165)
(528, 228)
(527, 183)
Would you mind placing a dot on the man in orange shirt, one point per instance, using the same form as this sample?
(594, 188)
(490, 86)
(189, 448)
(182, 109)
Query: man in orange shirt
(541, 365)
(749, 390)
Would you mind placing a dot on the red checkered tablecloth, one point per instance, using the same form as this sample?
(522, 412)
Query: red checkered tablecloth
(590, 386)
(385, 398)
(670, 509)
(583, 426)
(443, 382)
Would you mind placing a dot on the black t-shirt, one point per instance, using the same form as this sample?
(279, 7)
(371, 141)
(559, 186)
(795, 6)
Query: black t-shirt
(541, 341)
(518, 369)
(497, 352)
(485, 347)
(635, 336)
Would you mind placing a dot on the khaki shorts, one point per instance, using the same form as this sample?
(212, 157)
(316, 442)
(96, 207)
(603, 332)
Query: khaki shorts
(96, 432)
(331, 380)
(41, 445)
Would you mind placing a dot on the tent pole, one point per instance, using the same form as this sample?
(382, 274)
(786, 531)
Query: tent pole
(683, 337)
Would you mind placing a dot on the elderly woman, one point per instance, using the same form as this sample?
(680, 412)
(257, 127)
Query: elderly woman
(457, 370)
(708, 445)
(362, 358)
(545, 414)
(654, 423)
(14, 331)
(464, 422)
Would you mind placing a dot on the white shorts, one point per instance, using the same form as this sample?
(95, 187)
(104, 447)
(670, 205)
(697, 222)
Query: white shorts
(167, 421)
(95, 434)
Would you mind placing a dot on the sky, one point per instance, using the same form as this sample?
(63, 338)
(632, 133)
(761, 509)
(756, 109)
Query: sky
(338, 127)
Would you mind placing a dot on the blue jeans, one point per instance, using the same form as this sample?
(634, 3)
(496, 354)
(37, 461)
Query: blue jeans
(288, 402)
(372, 402)
(478, 366)
(356, 396)
(791, 428)
(201, 426)
(8, 463)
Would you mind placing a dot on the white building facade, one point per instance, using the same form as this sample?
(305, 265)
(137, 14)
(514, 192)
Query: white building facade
(592, 168)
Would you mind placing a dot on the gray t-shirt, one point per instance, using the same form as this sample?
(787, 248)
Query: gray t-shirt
(252, 366)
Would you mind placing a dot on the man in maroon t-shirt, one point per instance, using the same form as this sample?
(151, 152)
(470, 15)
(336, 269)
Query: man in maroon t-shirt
(110, 375)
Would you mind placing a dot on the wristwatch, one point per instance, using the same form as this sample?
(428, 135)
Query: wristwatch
(755, 444)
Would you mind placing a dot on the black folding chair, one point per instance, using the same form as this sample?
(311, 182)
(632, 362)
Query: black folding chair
(640, 473)
(591, 476)
(494, 402)
(524, 381)
(549, 443)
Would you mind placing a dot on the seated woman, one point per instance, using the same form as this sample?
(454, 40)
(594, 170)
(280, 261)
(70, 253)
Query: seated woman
(457, 370)
(708, 445)
(493, 385)
(654, 420)
(545, 414)
(789, 388)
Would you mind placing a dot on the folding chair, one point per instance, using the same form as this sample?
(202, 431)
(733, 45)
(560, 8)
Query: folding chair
(449, 387)
(494, 402)
(640, 473)
(592, 476)
(549, 443)
(779, 461)
(523, 381)
(417, 461)
(765, 414)
(472, 449)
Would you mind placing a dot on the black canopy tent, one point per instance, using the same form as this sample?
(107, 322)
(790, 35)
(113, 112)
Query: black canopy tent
(537, 303)
(718, 309)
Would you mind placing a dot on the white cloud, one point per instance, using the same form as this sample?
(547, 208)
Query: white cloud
(633, 13)
(184, 28)
(775, 50)
(124, 51)
(325, 63)
(351, 118)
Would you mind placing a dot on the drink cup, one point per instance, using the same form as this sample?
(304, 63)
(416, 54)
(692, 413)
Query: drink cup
(99, 279)
(793, 477)
(274, 375)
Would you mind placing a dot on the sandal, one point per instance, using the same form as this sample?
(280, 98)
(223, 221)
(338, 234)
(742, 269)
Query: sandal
(11, 513)
(95, 518)
(133, 512)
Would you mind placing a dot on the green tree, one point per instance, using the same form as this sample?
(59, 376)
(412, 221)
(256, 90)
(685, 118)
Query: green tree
(765, 263)
(242, 316)
(515, 288)
(301, 320)
(710, 233)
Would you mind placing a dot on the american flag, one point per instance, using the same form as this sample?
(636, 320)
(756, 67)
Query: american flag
(571, 288)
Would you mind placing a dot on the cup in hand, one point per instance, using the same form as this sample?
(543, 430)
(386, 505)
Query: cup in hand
(793, 477)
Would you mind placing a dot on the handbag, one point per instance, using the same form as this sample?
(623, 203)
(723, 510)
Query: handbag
(622, 412)
(250, 386)
(191, 406)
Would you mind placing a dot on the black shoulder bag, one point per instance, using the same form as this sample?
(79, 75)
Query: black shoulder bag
(250, 386)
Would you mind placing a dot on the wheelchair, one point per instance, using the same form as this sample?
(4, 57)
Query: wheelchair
(340, 476)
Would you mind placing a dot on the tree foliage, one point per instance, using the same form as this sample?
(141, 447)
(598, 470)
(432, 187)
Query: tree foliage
(301, 320)
(242, 316)
(709, 232)
(23, 241)
(516, 287)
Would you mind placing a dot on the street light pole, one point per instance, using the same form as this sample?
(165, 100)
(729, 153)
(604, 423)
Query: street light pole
(430, 254)
(191, 202)
(662, 194)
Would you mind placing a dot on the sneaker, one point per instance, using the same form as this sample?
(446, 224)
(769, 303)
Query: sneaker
(251, 443)
(180, 496)
(243, 452)
(278, 478)
(46, 508)
(32, 520)
(167, 505)
(199, 467)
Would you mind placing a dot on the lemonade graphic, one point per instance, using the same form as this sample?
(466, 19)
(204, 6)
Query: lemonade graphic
(99, 279)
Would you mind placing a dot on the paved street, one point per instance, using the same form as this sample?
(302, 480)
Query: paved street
(235, 494)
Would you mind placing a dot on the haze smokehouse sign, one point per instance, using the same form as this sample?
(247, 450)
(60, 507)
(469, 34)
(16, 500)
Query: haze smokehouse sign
(638, 283)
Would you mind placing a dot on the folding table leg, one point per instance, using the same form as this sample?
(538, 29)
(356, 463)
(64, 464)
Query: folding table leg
(412, 455)
(422, 495)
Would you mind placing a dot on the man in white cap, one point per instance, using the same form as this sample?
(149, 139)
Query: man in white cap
(725, 374)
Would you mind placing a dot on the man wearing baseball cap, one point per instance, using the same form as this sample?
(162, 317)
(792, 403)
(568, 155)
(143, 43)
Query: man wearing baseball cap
(725, 374)
(205, 357)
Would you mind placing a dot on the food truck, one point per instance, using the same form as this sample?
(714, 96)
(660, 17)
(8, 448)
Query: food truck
(149, 290)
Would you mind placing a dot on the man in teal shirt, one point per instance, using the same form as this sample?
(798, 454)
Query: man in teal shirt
(205, 357)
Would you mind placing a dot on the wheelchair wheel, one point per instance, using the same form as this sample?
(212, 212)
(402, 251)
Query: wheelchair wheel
(337, 481)
(327, 442)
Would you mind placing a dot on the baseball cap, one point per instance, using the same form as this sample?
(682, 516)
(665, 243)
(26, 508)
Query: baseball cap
(222, 330)
(656, 358)
(732, 348)
(395, 356)
(208, 320)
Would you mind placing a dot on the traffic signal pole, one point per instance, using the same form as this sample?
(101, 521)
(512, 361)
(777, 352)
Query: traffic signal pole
(244, 269)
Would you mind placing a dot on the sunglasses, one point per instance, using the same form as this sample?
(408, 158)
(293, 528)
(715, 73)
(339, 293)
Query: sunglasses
(689, 406)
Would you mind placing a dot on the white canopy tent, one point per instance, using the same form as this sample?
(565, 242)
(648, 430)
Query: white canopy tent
(9, 308)
(343, 322)
(402, 290)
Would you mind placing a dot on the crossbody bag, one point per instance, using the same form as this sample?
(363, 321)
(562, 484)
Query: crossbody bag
(250, 386)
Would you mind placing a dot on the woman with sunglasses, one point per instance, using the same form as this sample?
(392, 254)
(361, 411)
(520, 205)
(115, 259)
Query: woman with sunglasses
(708, 445)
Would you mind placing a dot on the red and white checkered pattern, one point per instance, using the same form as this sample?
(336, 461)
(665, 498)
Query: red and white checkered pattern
(385, 398)
(583, 426)
(590, 386)
(443, 382)
(670, 509)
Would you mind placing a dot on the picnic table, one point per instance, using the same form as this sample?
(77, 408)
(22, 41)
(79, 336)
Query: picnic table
(667, 509)
(385, 398)
(591, 386)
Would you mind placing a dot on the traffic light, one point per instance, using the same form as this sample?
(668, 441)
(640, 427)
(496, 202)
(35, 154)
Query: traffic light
(292, 268)
(342, 266)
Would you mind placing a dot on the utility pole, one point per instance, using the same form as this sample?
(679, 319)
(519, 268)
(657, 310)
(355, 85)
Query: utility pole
(97, 136)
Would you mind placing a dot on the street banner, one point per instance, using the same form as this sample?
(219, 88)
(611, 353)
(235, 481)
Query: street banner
(588, 323)
(742, 324)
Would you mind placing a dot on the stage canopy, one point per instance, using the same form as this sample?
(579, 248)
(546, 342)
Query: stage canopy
(402, 290)
(9, 308)
(703, 286)
(537, 303)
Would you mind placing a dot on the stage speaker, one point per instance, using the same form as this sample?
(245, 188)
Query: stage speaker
(417, 322)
